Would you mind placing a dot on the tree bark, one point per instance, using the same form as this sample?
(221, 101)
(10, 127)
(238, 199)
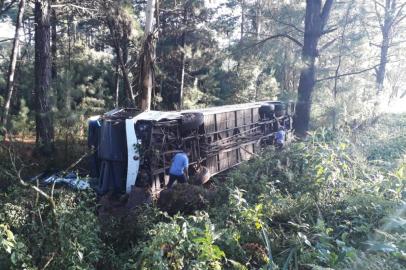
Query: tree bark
(120, 39)
(242, 19)
(117, 86)
(54, 66)
(13, 62)
(43, 118)
(147, 59)
(182, 76)
(340, 57)
(54, 47)
(127, 82)
(380, 74)
(258, 20)
(386, 28)
(315, 21)
(183, 60)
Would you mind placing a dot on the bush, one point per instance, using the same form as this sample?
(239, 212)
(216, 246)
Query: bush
(67, 238)
(317, 204)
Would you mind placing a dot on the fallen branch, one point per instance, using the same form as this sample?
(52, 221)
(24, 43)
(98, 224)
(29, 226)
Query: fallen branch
(79, 160)
(49, 261)
(17, 173)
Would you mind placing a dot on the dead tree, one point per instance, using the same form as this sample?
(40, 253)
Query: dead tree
(147, 59)
(13, 62)
(183, 59)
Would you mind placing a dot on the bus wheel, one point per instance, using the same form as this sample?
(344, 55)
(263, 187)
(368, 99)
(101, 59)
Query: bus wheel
(191, 121)
(266, 111)
(202, 176)
(280, 110)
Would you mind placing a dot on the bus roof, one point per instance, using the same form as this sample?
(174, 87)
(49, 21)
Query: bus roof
(171, 115)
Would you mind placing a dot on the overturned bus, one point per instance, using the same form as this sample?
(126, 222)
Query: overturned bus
(134, 149)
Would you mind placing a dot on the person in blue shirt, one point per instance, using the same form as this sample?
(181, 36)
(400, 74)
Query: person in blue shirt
(280, 137)
(179, 169)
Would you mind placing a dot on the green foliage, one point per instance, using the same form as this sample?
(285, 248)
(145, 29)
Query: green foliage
(22, 122)
(86, 83)
(181, 243)
(386, 139)
(13, 253)
(67, 239)
(316, 204)
(319, 200)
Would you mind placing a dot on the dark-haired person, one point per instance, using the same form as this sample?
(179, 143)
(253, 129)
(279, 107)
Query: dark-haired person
(179, 169)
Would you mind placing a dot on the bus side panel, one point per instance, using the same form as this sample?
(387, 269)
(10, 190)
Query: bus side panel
(231, 121)
(255, 112)
(209, 123)
(247, 151)
(222, 124)
(240, 119)
(212, 164)
(223, 160)
(247, 117)
(232, 157)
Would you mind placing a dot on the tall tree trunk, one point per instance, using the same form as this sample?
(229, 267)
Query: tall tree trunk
(69, 32)
(258, 20)
(183, 60)
(117, 87)
(66, 95)
(123, 57)
(340, 57)
(182, 79)
(54, 47)
(120, 40)
(386, 27)
(147, 59)
(126, 78)
(13, 62)
(54, 67)
(242, 19)
(315, 21)
(380, 74)
(393, 15)
(43, 119)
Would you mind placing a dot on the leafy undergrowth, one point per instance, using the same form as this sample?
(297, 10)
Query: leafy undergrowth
(386, 141)
(324, 203)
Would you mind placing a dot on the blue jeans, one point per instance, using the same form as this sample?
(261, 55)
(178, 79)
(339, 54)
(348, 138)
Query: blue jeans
(173, 178)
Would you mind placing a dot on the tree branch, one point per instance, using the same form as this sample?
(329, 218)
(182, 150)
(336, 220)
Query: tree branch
(328, 44)
(326, 12)
(7, 39)
(17, 173)
(6, 8)
(297, 42)
(347, 74)
(286, 24)
(399, 12)
(329, 30)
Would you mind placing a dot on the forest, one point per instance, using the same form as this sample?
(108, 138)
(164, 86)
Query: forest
(334, 197)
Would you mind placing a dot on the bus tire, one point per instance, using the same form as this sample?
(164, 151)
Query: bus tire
(202, 176)
(191, 121)
(280, 109)
(266, 111)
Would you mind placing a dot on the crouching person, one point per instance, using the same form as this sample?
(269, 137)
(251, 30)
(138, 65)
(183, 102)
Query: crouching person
(280, 138)
(179, 169)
